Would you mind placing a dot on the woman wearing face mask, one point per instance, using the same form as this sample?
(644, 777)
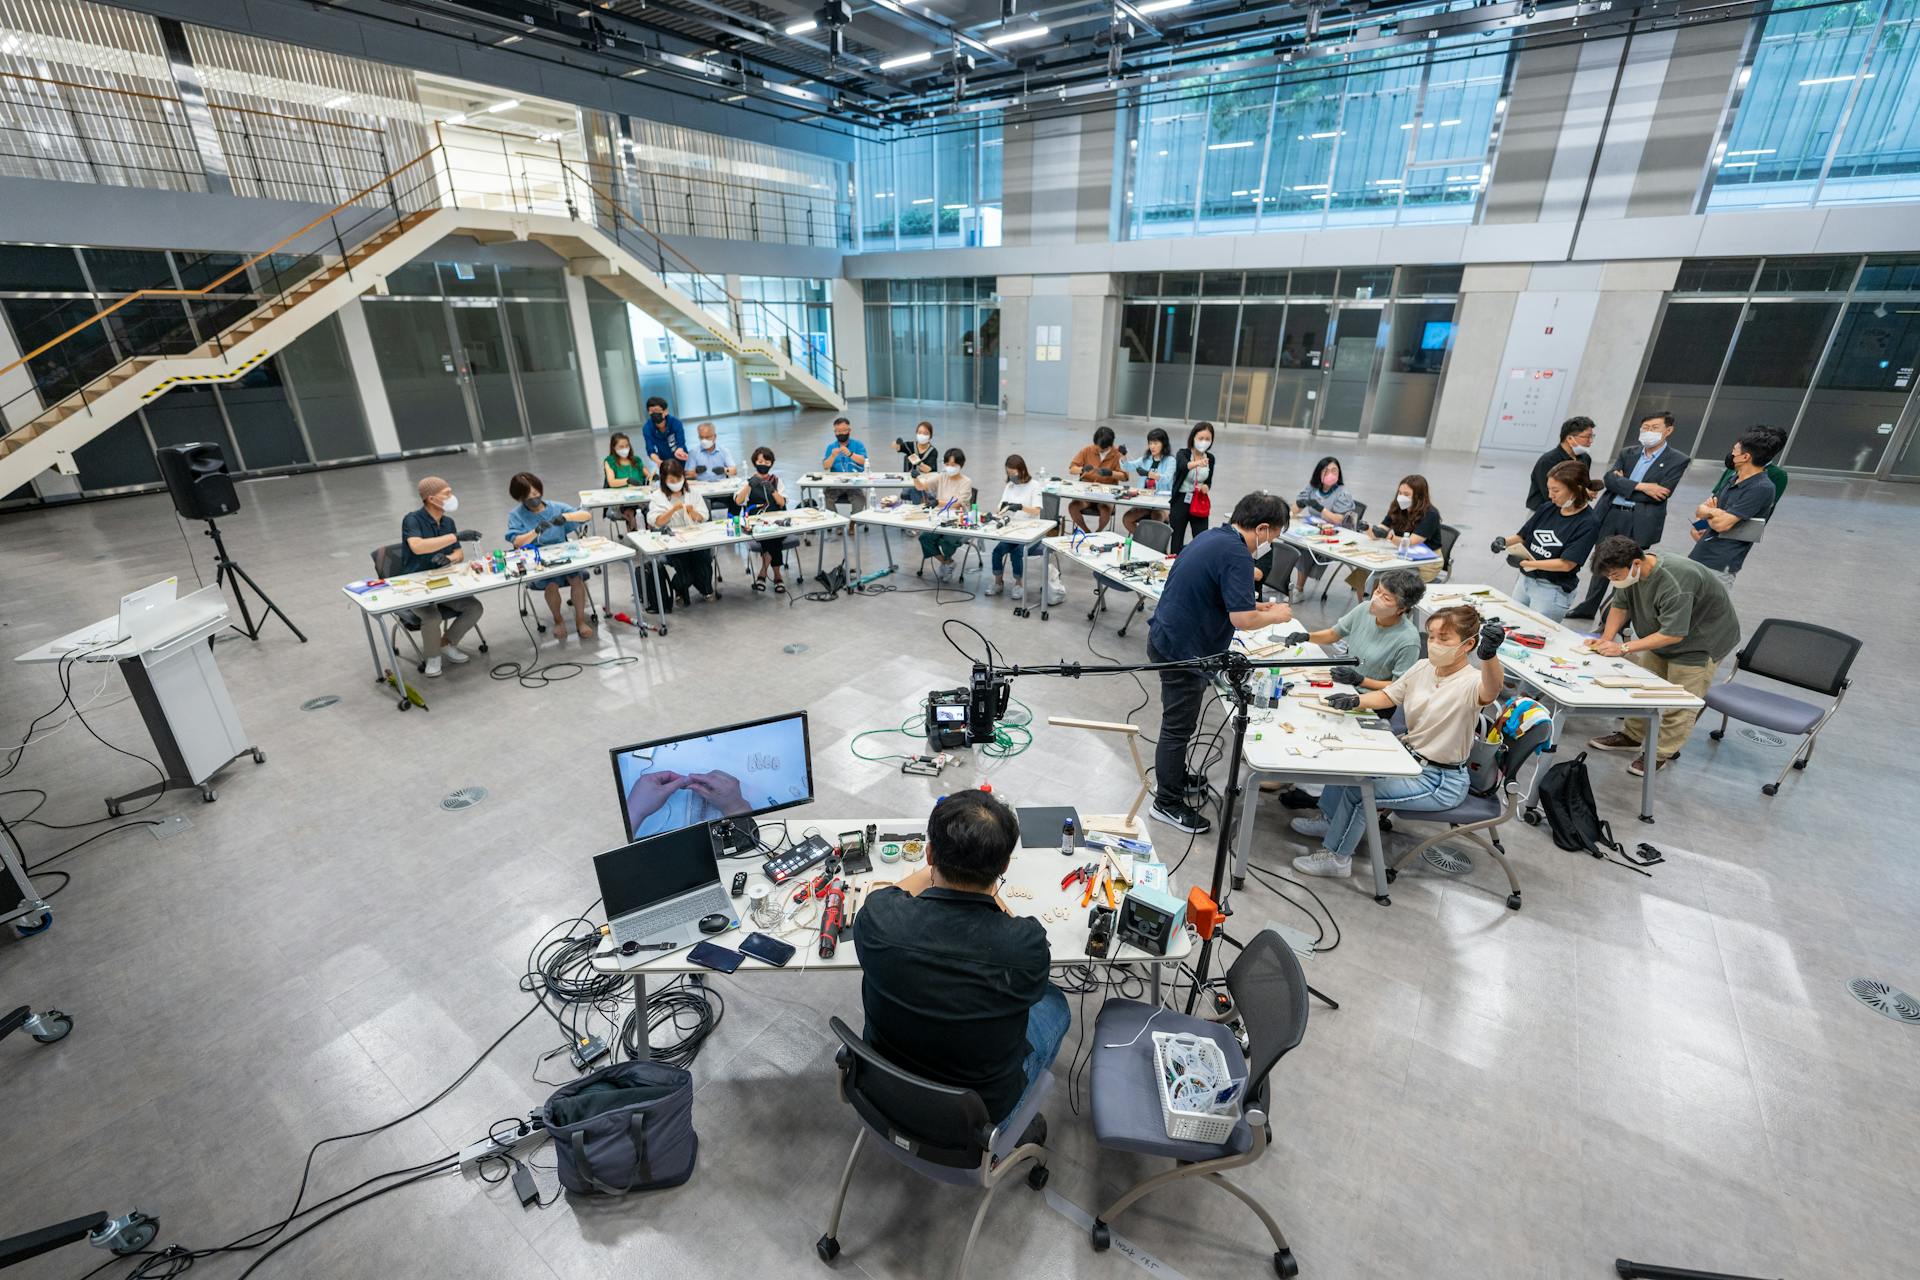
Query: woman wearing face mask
(1554, 542)
(1097, 463)
(1191, 485)
(673, 507)
(1020, 497)
(921, 458)
(624, 471)
(1327, 497)
(536, 519)
(762, 492)
(1412, 521)
(1154, 473)
(1441, 696)
(951, 490)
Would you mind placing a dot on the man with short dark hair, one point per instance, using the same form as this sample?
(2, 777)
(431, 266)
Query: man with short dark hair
(1683, 625)
(845, 456)
(1576, 445)
(1634, 503)
(1728, 513)
(1208, 596)
(954, 986)
(664, 436)
(1775, 472)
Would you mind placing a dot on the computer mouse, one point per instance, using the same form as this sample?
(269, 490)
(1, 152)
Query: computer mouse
(715, 923)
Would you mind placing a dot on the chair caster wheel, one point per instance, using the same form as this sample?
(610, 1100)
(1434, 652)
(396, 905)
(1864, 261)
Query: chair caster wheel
(127, 1235)
(113, 810)
(1717, 734)
(1513, 902)
(1102, 1236)
(1044, 615)
(1532, 817)
(1284, 1266)
(1239, 883)
(1393, 874)
(1800, 764)
(401, 705)
(1386, 823)
(1037, 1177)
(259, 756)
(827, 1248)
(208, 795)
(54, 1026)
(1772, 788)
(22, 929)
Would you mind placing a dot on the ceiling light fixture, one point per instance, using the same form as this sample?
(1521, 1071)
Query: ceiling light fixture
(506, 40)
(1229, 146)
(1015, 37)
(459, 119)
(508, 105)
(907, 60)
(801, 28)
(1161, 6)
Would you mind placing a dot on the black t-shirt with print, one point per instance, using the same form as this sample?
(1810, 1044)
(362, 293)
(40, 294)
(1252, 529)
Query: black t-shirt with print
(1552, 534)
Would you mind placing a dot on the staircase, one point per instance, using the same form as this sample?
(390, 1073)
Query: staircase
(33, 445)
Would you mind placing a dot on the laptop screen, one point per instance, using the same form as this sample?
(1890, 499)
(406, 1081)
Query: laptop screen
(654, 870)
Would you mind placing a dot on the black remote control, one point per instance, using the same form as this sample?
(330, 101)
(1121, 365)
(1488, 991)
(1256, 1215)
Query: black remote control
(739, 883)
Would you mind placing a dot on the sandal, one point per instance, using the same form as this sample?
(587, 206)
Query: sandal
(779, 588)
(759, 584)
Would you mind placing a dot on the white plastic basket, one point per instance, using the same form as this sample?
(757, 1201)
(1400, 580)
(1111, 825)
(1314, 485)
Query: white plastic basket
(1195, 1126)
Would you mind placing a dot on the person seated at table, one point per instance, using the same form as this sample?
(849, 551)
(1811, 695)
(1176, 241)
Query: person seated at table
(954, 986)
(1411, 521)
(1552, 545)
(1192, 485)
(673, 507)
(1154, 474)
(1327, 498)
(622, 470)
(1097, 463)
(536, 519)
(845, 456)
(709, 461)
(1441, 696)
(951, 490)
(432, 542)
(1021, 497)
(762, 492)
(664, 435)
(919, 458)
(1380, 633)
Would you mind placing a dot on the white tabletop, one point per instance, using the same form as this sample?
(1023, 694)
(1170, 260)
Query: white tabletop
(1105, 552)
(856, 480)
(640, 495)
(912, 516)
(1564, 670)
(1031, 888)
(1113, 495)
(475, 576)
(1301, 737)
(1350, 546)
(719, 533)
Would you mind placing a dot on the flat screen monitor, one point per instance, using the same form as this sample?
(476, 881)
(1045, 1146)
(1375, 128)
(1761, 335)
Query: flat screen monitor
(739, 771)
(1434, 336)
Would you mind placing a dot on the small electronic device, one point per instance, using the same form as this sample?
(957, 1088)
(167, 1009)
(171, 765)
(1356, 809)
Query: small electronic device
(715, 923)
(1203, 913)
(1147, 918)
(739, 884)
(523, 1184)
(1100, 932)
(713, 956)
(1702, 524)
(947, 719)
(855, 857)
(768, 950)
(785, 866)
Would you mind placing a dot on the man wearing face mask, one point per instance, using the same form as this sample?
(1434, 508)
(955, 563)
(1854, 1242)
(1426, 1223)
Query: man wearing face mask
(709, 461)
(1208, 596)
(664, 436)
(1634, 503)
(1722, 545)
(535, 519)
(432, 542)
(845, 456)
(1576, 445)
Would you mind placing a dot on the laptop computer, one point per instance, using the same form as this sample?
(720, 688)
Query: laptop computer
(134, 609)
(655, 890)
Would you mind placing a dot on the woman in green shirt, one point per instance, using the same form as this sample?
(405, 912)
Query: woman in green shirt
(624, 471)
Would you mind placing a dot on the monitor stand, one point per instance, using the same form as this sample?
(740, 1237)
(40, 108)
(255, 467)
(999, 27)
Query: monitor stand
(733, 837)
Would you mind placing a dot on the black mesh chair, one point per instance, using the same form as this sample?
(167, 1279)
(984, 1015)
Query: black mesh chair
(940, 1132)
(1801, 654)
(1449, 535)
(1156, 535)
(386, 563)
(1270, 998)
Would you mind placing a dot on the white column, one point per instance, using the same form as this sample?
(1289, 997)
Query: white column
(584, 352)
(850, 335)
(367, 380)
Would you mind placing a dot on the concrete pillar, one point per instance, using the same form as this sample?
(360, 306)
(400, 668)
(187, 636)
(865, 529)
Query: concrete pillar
(583, 348)
(850, 336)
(367, 380)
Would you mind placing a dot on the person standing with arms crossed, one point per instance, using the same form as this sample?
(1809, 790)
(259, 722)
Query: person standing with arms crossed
(1634, 498)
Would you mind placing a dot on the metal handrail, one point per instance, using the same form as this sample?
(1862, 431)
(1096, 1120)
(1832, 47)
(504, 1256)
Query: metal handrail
(175, 101)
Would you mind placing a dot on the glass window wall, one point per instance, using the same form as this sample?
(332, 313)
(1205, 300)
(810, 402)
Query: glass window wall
(933, 190)
(935, 340)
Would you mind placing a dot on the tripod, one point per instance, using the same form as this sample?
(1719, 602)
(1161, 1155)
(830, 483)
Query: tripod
(223, 565)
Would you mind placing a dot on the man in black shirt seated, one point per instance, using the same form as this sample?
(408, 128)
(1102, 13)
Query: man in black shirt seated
(432, 541)
(955, 986)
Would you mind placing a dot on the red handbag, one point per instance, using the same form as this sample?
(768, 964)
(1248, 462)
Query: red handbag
(1201, 504)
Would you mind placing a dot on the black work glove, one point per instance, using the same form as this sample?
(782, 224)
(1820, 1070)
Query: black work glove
(1380, 531)
(1492, 635)
(1294, 637)
(1346, 675)
(1499, 546)
(1343, 701)
(469, 535)
(1516, 559)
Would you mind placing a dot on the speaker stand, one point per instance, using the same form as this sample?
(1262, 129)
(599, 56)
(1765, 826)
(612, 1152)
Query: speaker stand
(225, 565)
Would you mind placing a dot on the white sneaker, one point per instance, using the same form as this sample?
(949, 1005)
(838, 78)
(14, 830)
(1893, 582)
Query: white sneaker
(945, 572)
(452, 653)
(433, 666)
(994, 588)
(1313, 828)
(1019, 592)
(1324, 862)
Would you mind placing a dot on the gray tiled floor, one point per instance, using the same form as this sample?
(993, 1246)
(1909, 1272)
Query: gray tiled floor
(1666, 1068)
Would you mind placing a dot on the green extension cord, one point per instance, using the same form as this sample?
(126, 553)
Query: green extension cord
(1010, 738)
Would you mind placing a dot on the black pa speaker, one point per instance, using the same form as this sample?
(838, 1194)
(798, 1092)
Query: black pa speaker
(196, 476)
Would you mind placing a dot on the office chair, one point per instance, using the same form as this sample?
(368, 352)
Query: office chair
(1270, 996)
(1449, 535)
(1801, 654)
(1156, 535)
(968, 547)
(1480, 816)
(940, 1132)
(407, 621)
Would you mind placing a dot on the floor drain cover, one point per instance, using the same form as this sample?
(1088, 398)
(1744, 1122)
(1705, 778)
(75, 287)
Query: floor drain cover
(324, 700)
(1762, 736)
(169, 827)
(464, 798)
(1883, 999)
(794, 648)
(1455, 862)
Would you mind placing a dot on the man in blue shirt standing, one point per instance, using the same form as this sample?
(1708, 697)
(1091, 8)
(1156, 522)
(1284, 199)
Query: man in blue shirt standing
(664, 436)
(1208, 596)
(845, 456)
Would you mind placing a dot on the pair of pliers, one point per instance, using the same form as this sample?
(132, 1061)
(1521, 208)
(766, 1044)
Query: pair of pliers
(1078, 874)
(1527, 639)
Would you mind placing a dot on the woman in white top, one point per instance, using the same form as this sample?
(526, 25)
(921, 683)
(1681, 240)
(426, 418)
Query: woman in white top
(1020, 497)
(950, 490)
(1441, 696)
(673, 507)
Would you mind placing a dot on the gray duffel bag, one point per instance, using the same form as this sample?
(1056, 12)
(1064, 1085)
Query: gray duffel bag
(627, 1127)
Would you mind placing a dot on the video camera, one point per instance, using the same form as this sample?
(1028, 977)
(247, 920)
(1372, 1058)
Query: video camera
(967, 717)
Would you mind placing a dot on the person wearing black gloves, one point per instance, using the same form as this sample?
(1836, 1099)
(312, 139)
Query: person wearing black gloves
(919, 458)
(432, 541)
(1635, 502)
(1552, 545)
(1576, 445)
(762, 492)
(1441, 696)
(537, 519)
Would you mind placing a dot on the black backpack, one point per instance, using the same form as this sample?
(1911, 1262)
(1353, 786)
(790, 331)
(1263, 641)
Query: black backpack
(1566, 796)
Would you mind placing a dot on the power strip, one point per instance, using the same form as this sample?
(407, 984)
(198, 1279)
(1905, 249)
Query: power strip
(531, 1133)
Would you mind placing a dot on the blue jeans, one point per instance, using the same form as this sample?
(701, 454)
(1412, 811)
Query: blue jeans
(1047, 1024)
(1003, 551)
(1435, 789)
(1542, 597)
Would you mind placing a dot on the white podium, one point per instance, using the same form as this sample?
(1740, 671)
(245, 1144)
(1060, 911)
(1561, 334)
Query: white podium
(169, 669)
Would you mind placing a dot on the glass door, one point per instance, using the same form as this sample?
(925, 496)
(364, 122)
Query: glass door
(987, 358)
(1417, 343)
(423, 380)
(481, 342)
(1351, 372)
(1301, 378)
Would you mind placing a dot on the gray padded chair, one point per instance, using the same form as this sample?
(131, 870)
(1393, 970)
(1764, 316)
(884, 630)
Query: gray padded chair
(1270, 995)
(1156, 535)
(407, 621)
(939, 1132)
(1801, 654)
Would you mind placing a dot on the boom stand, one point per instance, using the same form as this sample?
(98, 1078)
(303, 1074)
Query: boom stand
(224, 565)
